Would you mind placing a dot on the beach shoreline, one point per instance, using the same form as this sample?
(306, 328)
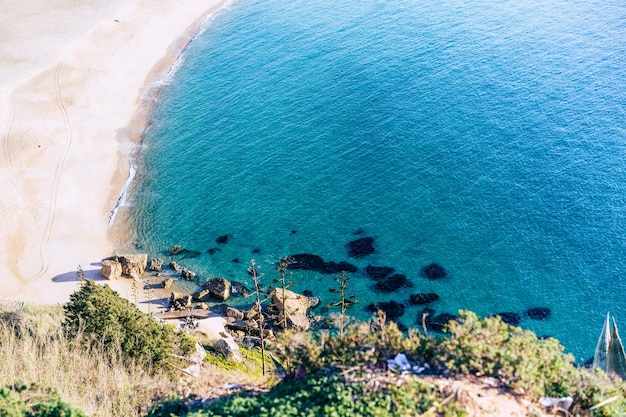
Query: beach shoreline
(72, 111)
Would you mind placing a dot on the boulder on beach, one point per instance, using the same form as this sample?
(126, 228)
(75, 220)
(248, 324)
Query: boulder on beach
(167, 283)
(360, 248)
(111, 269)
(133, 264)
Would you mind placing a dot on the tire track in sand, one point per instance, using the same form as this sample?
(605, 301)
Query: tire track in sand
(57, 178)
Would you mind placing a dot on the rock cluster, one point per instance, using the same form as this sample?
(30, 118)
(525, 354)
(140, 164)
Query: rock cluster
(132, 265)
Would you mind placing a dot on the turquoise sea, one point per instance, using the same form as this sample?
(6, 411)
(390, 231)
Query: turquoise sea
(486, 136)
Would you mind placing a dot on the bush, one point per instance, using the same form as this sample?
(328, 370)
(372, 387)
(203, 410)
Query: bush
(490, 347)
(335, 395)
(117, 327)
(22, 400)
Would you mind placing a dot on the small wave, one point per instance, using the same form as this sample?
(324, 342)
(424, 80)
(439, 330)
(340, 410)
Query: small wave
(123, 198)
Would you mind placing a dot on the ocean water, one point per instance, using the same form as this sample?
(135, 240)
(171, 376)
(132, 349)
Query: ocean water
(486, 136)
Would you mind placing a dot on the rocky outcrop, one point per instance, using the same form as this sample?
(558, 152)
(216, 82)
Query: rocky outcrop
(176, 267)
(218, 288)
(360, 248)
(238, 289)
(111, 269)
(133, 264)
(421, 298)
(156, 264)
(167, 283)
(295, 307)
(179, 301)
(187, 274)
(227, 347)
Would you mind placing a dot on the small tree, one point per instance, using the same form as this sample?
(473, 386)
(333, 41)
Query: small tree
(283, 264)
(114, 325)
(260, 320)
(345, 301)
(80, 274)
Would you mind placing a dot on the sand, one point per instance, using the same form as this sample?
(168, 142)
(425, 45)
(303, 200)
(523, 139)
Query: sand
(72, 76)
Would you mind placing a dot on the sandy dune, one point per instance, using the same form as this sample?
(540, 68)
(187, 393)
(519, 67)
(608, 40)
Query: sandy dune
(71, 76)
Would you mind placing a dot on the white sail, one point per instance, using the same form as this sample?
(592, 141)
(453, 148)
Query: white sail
(616, 357)
(602, 348)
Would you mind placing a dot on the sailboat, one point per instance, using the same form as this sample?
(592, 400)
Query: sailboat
(610, 355)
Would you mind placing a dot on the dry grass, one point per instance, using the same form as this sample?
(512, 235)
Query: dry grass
(33, 349)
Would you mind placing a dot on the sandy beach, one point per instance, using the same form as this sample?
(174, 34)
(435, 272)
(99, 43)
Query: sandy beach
(72, 74)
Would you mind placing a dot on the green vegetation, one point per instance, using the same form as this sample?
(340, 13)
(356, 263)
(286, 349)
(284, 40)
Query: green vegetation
(335, 395)
(107, 358)
(34, 348)
(22, 400)
(345, 301)
(104, 319)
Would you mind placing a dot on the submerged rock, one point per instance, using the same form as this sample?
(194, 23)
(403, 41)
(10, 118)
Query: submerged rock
(306, 261)
(421, 298)
(360, 248)
(434, 322)
(433, 271)
(393, 283)
(310, 262)
(509, 318)
(222, 239)
(392, 309)
(335, 268)
(538, 313)
(378, 272)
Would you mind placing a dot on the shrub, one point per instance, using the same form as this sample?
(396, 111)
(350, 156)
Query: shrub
(22, 400)
(335, 395)
(490, 347)
(112, 323)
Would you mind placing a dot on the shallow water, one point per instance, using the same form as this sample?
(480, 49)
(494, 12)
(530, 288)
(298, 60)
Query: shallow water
(487, 137)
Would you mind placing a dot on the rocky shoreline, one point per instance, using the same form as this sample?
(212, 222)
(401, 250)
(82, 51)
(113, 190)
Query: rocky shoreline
(212, 297)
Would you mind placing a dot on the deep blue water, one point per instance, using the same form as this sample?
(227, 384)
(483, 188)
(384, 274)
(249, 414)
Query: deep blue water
(486, 136)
